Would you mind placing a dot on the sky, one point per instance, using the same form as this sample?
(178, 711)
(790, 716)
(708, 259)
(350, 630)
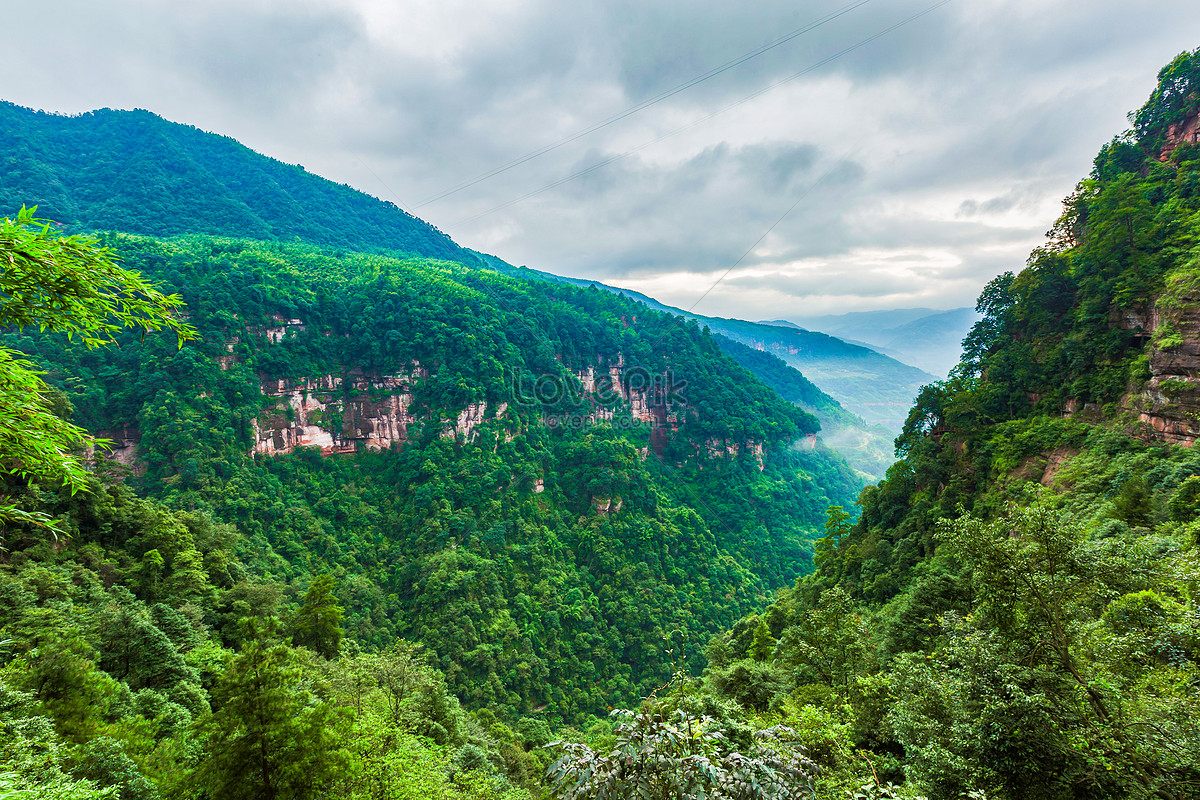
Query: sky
(885, 154)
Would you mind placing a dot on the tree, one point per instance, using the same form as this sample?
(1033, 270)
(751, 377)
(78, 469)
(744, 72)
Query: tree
(318, 624)
(684, 757)
(1063, 680)
(1176, 95)
(270, 737)
(69, 284)
(763, 644)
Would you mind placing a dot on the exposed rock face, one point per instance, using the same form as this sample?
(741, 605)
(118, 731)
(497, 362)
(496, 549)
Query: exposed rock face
(650, 398)
(372, 412)
(1186, 130)
(124, 448)
(356, 411)
(278, 331)
(1169, 404)
(723, 448)
(228, 357)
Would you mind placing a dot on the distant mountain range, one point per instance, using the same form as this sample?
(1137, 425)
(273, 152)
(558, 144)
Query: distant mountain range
(923, 337)
(134, 171)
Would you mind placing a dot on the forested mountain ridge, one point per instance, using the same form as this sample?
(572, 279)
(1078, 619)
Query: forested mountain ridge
(870, 384)
(136, 172)
(1015, 614)
(509, 446)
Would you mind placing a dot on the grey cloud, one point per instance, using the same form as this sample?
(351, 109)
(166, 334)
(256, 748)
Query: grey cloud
(264, 57)
(977, 111)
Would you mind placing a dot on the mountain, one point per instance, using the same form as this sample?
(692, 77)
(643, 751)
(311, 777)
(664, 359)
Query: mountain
(535, 481)
(876, 388)
(1014, 614)
(931, 340)
(562, 493)
(134, 171)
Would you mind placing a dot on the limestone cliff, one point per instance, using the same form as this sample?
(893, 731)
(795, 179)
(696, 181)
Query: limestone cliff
(335, 414)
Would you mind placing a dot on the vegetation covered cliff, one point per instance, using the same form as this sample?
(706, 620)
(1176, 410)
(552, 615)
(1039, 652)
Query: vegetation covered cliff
(1014, 612)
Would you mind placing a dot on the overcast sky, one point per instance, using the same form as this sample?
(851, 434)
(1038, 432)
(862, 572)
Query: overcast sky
(917, 164)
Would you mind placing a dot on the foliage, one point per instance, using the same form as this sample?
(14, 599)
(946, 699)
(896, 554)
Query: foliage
(268, 738)
(684, 757)
(1176, 95)
(68, 284)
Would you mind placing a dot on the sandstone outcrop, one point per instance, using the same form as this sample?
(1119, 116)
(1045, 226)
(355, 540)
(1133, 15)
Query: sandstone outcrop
(1187, 130)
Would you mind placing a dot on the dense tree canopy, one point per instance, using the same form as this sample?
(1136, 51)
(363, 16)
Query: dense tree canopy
(68, 284)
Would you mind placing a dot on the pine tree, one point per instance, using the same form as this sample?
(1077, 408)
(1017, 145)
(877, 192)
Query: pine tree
(763, 644)
(318, 624)
(270, 739)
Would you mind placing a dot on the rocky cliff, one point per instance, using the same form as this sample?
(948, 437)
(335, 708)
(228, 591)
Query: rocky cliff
(344, 414)
(1168, 405)
(339, 415)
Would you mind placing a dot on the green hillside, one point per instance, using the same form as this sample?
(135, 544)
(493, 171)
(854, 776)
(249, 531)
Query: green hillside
(551, 508)
(385, 486)
(136, 172)
(1014, 613)
(872, 386)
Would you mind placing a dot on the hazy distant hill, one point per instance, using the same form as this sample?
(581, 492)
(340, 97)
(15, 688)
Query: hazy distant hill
(867, 448)
(874, 386)
(923, 337)
(135, 171)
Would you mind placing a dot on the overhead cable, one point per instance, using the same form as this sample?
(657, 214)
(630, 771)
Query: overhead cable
(658, 98)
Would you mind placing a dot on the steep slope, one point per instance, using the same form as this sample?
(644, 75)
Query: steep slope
(871, 385)
(1015, 612)
(538, 482)
(134, 171)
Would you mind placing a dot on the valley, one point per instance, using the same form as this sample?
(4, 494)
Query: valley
(382, 516)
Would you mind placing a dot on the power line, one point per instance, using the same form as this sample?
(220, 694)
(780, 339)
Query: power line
(766, 233)
(706, 118)
(645, 103)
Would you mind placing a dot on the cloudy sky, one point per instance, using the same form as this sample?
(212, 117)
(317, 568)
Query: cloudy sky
(911, 158)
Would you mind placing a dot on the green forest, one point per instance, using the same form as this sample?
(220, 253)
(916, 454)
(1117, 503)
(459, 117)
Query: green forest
(597, 557)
